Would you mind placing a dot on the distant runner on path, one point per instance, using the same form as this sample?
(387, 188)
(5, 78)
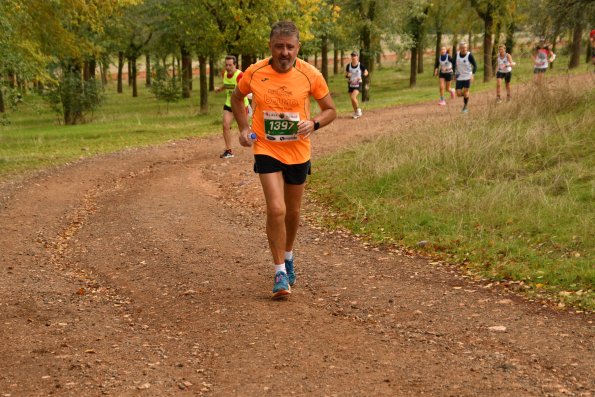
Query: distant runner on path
(505, 64)
(542, 57)
(231, 76)
(355, 73)
(443, 68)
(464, 69)
(281, 86)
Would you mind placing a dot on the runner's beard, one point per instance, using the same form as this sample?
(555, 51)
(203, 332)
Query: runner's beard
(285, 63)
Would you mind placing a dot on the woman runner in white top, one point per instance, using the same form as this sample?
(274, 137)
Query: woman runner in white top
(443, 69)
(505, 65)
(542, 57)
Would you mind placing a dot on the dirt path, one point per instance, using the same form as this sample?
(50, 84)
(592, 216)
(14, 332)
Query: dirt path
(147, 273)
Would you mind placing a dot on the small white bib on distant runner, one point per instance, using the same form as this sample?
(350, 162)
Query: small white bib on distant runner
(281, 126)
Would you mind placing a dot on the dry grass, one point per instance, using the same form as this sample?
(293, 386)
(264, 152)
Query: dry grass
(510, 193)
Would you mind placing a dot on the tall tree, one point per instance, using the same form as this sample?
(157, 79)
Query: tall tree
(486, 9)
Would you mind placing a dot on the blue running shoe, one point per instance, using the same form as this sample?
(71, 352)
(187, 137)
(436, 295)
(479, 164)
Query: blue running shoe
(290, 271)
(281, 287)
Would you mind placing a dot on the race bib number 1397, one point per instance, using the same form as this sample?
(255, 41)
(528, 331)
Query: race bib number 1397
(281, 126)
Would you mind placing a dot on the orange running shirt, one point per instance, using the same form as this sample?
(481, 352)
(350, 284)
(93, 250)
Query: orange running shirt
(279, 100)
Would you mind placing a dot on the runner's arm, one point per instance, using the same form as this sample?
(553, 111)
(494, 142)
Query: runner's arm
(473, 63)
(239, 113)
(328, 113)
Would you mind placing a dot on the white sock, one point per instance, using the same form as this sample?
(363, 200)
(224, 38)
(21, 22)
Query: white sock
(280, 268)
(288, 255)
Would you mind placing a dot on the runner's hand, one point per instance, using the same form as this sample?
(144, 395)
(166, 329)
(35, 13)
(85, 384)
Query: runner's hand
(244, 140)
(305, 128)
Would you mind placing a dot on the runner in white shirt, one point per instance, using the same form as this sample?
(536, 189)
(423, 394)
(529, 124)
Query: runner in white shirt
(464, 68)
(443, 69)
(355, 73)
(505, 64)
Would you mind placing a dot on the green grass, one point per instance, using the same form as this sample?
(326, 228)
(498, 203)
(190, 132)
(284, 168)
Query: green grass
(510, 194)
(35, 139)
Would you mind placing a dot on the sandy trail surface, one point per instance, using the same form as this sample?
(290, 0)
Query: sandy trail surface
(147, 272)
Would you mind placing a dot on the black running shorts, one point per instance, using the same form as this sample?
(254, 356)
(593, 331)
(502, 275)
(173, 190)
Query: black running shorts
(445, 76)
(293, 174)
(351, 89)
(463, 84)
(507, 76)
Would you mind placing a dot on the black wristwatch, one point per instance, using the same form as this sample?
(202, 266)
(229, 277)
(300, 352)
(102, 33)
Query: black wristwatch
(316, 124)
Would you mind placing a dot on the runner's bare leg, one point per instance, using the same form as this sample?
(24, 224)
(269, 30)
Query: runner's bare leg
(273, 188)
(293, 203)
(227, 120)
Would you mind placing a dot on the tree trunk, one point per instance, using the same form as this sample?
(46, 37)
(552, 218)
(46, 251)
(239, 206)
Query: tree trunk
(575, 49)
(342, 58)
(438, 45)
(324, 55)
(129, 71)
(185, 56)
(133, 72)
(71, 112)
(555, 41)
(420, 56)
(487, 46)
(204, 94)
(120, 67)
(413, 69)
(2, 108)
(12, 79)
(247, 60)
(509, 43)
(454, 45)
(366, 54)
(86, 69)
(92, 68)
(189, 71)
(335, 60)
(495, 44)
(148, 70)
(104, 70)
(316, 58)
(212, 74)
(588, 53)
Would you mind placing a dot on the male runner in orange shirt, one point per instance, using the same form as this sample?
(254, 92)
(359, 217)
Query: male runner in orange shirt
(281, 86)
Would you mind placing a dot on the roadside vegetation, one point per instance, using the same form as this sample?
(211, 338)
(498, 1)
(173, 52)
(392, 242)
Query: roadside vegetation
(33, 136)
(508, 194)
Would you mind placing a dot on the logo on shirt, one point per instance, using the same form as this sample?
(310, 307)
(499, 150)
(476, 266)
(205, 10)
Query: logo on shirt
(280, 91)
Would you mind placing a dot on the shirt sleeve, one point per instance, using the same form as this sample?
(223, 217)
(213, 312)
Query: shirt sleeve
(363, 68)
(319, 87)
(240, 75)
(472, 62)
(244, 80)
(347, 68)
